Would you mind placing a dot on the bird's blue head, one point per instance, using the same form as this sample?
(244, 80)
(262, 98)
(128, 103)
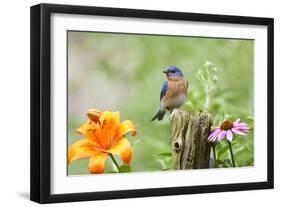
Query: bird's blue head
(173, 72)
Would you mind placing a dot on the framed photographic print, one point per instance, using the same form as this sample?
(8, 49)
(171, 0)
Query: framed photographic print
(132, 103)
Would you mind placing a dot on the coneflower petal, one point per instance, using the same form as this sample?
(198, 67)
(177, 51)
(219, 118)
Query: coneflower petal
(236, 131)
(229, 135)
(221, 135)
(214, 134)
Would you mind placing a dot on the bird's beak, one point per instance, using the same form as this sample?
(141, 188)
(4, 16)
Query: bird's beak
(164, 71)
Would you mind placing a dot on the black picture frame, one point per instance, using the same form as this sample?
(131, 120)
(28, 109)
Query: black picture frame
(41, 102)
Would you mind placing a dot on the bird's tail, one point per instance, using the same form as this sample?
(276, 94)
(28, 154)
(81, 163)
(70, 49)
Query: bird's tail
(159, 115)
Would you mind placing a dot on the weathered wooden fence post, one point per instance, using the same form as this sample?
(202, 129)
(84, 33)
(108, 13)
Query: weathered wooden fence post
(190, 149)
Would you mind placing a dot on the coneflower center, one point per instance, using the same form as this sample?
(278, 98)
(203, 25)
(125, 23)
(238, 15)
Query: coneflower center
(226, 125)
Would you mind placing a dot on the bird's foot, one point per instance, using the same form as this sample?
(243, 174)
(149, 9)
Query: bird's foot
(174, 112)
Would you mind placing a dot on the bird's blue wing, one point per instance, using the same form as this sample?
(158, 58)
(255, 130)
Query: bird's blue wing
(163, 90)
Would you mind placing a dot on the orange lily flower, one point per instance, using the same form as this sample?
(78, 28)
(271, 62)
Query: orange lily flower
(104, 135)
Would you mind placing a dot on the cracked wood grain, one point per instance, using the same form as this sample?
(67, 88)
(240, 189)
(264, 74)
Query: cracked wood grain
(190, 149)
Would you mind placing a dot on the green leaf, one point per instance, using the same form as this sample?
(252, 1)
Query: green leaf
(164, 154)
(227, 163)
(162, 163)
(224, 163)
(220, 162)
(111, 171)
(136, 142)
(222, 150)
(250, 118)
(166, 169)
(125, 168)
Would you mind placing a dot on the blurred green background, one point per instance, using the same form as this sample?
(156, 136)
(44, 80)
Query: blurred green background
(122, 72)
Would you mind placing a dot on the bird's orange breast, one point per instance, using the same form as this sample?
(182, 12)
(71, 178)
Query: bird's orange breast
(176, 87)
(176, 93)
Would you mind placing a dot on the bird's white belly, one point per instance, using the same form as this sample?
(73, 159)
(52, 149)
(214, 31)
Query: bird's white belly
(175, 102)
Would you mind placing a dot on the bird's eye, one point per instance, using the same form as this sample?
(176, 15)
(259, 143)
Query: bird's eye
(173, 71)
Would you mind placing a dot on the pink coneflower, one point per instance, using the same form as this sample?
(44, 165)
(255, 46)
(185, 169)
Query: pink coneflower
(226, 129)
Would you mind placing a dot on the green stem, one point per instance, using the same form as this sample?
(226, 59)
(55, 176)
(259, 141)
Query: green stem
(231, 153)
(114, 161)
(214, 153)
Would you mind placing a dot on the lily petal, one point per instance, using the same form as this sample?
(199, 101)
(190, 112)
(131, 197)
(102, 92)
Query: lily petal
(109, 123)
(124, 128)
(79, 152)
(96, 163)
(123, 149)
(92, 132)
(80, 149)
(85, 128)
(94, 115)
(109, 119)
(81, 143)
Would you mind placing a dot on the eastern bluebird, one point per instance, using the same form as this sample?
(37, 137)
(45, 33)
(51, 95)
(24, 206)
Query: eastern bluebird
(173, 93)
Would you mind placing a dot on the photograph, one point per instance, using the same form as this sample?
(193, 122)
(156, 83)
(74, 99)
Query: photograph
(139, 103)
(129, 103)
